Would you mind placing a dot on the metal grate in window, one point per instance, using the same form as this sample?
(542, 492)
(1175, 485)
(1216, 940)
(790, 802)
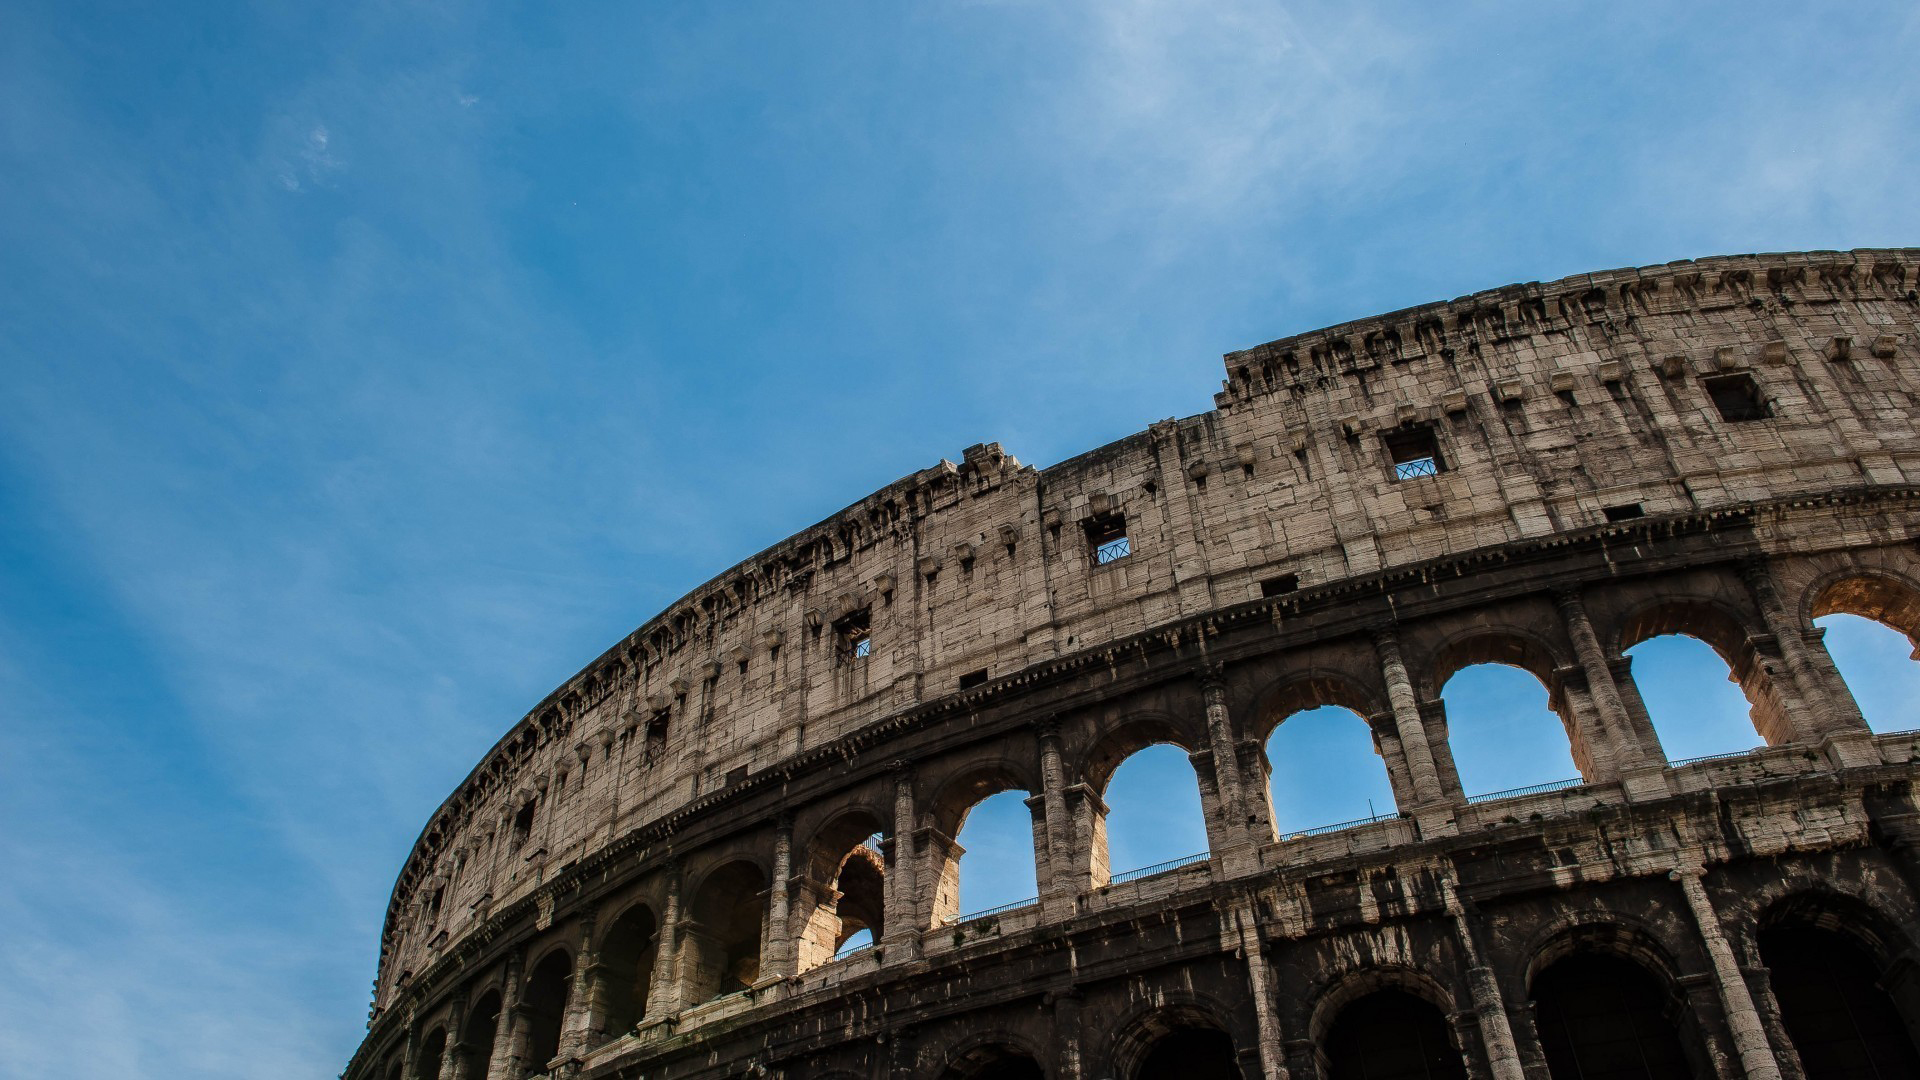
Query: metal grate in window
(1407, 470)
(1111, 550)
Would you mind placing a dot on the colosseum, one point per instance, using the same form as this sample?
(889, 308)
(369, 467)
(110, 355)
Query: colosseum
(655, 872)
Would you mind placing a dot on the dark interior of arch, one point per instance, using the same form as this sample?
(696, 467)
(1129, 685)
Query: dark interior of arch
(1191, 1054)
(626, 972)
(433, 1049)
(483, 1025)
(1604, 1018)
(1392, 1035)
(996, 1064)
(546, 1005)
(727, 913)
(1842, 1024)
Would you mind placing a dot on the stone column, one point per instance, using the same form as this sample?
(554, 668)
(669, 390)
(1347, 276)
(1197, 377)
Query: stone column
(1406, 720)
(1621, 750)
(663, 996)
(452, 1058)
(780, 952)
(1061, 878)
(1496, 1028)
(1226, 764)
(1213, 814)
(577, 1019)
(1066, 1033)
(1244, 938)
(1743, 1019)
(499, 1062)
(1822, 714)
(902, 897)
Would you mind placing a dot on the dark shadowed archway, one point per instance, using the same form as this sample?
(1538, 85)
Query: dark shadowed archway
(1843, 1024)
(1392, 1035)
(1602, 1017)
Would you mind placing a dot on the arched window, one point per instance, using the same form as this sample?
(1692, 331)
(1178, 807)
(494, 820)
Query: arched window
(546, 1007)
(1601, 1017)
(1391, 1035)
(722, 945)
(1503, 733)
(433, 1049)
(626, 969)
(1840, 1019)
(1695, 704)
(1324, 769)
(483, 1027)
(1190, 1053)
(993, 864)
(846, 898)
(1877, 662)
(994, 1063)
(1153, 810)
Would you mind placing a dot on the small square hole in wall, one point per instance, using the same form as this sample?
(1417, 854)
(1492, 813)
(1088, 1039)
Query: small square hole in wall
(1279, 586)
(1107, 538)
(973, 678)
(854, 634)
(1624, 512)
(1415, 452)
(1737, 396)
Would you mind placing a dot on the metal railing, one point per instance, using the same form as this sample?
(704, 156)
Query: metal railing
(1709, 757)
(1536, 789)
(1158, 868)
(1339, 826)
(952, 920)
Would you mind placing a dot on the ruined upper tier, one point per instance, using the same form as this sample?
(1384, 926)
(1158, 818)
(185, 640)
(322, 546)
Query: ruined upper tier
(1507, 414)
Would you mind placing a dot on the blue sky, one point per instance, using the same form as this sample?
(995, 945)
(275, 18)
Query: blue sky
(367, 368)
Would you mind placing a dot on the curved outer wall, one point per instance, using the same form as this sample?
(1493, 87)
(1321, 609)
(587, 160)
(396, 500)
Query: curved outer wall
(1278, 561)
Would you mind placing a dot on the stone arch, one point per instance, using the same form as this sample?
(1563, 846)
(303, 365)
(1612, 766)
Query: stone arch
(1841, 990)
(1886, 596)
(948, 811)
(1112, 749)
(721, 940)
(623, 978)
(481, 1030)
(1509, 646)
(433, 1051)
(1594, 982)
(1324, 688)
(1886, 599)
(992, 1055)
(1188, 1035)
(544, 1004)
(1730, 633)
(840, 887)
(1350, 985)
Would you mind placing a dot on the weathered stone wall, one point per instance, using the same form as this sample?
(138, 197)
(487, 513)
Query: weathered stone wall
(739, 727)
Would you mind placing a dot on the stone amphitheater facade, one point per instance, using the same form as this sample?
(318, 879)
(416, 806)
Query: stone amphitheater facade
(651, 874)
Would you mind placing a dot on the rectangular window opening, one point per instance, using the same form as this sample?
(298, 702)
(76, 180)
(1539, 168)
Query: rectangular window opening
(1279, 586)
(523, 823)
(1107, 538)
(1738, 397)
(1624, 512)
(854, 633)
(1415, 452)
(973, 678)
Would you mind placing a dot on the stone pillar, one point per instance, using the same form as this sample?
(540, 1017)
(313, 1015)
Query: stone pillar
(1066, 1034)
(1386, 743)
(1062, 878)
(663, 996)
(1743, 1019)
(1621, 750)
(780, 952)
(576, 1021)
(452, 1057)
(1244, 938)
(1226, 764)
(1496, 1028)
(1406, 720)
(1761, 981)
(499, 1061)
(1821, 713)
(1089, 813)
(1213, 815)
(902, 888)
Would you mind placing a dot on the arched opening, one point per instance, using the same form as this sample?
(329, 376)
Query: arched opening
(1391, 1034)
(1602, 1017)
(1876, 661)
(546, 1008)
(1153, 810)
(1190, 1053)
(1503, 731)
(843, 893)
(1842, 1022)
(994, 1063)
(433, 1049)
(983, 818)
(1324, 768)
(626, 969)
(483, 1027)
(1692, 698)
(722, 941)
(1739, 660)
